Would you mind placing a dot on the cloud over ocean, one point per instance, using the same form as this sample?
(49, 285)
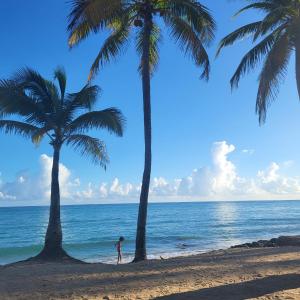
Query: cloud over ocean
(220, 180)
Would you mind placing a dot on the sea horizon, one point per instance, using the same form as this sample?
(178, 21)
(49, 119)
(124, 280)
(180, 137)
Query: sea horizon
(152, 202)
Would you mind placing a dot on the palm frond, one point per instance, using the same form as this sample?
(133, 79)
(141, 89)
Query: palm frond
(61, 76)
(190, 43)
(240, 33)
(195, 14)
(90, 16)
(75, 102)
(110, 119)
(272, 74)
(81, 32)
(271, 21)
(112, 47)
(84, 99)
(35, 85)
(265, 6)
(19, 128)
(155, 38)
(39, 135)
(13, 100)
(253, 57)
(89, 146)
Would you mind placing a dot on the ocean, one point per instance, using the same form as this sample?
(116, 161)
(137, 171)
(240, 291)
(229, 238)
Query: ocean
(90, 231)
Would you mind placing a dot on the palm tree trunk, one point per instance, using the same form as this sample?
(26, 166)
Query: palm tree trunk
(140, 246)
(53, 240)
(297, 50)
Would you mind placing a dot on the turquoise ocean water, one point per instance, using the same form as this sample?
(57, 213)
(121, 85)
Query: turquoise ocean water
(90, 231)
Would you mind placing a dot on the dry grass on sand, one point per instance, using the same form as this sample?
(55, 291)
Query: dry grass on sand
(234, 274)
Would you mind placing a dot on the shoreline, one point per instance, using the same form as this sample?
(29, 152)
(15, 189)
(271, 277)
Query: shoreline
(280, 241)
(233, 274)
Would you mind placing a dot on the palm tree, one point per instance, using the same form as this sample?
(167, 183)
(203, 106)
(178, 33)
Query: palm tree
(277, 35)
(44, 109)
(190, 24)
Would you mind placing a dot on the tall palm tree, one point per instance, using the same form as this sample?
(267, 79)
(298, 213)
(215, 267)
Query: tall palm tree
(276, 36)
(190, 24)
(43, 109)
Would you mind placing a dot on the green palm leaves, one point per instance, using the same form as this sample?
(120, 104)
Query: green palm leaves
(46, 109)
(276, 36)
(190, 25)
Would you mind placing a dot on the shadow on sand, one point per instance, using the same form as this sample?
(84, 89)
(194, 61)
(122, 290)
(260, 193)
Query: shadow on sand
(241, 291)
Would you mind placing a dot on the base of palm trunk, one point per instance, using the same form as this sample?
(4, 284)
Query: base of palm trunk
(136, 260)
(57, 254)
(139, 258)
(52, 253)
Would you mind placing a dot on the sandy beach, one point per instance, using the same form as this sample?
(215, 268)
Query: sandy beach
(235, 274)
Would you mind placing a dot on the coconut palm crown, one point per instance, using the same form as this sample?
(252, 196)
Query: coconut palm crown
(276, 37)
(190, 25)
(44, 109)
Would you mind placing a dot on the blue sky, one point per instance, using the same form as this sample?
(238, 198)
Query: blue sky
(189, 115)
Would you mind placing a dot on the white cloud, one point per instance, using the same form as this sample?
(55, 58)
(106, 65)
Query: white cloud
(288, 163)
(272, 182)
(224, 173)
(6, 197)
(217, 181)
(270, 174)
(248, 151)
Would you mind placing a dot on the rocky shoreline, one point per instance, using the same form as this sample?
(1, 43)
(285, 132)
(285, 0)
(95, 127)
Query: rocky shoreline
(281, 241)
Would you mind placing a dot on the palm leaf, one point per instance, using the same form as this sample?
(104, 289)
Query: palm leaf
(254, 56)
(190, 43)
(79, 33)
(34, 85)
(89, 146)
(238, 34)
(270, 22)
(13, 100)
(84, 99)
(266, 6)
(19, 128)
(111, 48)
(196, 15)
(39, 135)
(272, 74)
(61, 76)
(155, 38)
(110, 119)
(90, 16)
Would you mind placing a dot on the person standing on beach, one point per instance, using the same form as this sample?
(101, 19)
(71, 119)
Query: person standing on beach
(118, 245)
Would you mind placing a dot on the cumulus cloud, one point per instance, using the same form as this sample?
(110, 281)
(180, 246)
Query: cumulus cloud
(217, 181)
(272, 182)
(30, 188)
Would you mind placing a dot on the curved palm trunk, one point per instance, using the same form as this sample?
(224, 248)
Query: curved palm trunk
(53, 240)
(297, 50)
(140, 246)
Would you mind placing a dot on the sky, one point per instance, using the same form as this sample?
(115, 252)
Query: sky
(207, 142)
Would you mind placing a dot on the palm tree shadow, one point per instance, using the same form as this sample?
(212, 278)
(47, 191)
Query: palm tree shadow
(243, 290)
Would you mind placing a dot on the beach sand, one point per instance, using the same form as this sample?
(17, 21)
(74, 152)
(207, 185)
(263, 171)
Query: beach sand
(233, 274)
